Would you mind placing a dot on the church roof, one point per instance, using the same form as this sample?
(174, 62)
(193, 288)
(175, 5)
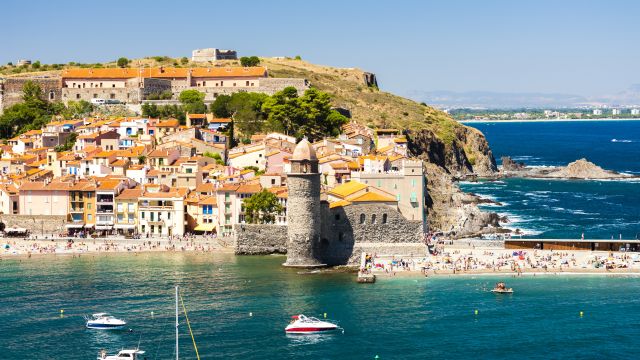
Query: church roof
(304, 151)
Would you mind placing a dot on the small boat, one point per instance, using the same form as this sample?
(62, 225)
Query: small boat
(122, 355)
(104, 321)
(301, 324)
(501, 288)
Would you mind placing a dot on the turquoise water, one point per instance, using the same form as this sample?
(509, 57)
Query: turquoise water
(396, 318)
(567, 208)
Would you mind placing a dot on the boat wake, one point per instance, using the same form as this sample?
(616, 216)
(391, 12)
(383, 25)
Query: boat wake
(621, 141)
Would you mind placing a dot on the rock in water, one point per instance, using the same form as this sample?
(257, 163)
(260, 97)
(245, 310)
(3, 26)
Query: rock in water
(584, 169)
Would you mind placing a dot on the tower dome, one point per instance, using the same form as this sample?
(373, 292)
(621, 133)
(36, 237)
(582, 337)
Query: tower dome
(304, 151)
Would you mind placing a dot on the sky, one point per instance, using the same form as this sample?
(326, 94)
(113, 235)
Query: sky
(550, 46)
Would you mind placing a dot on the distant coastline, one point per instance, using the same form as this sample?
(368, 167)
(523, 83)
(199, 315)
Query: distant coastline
(543, 120)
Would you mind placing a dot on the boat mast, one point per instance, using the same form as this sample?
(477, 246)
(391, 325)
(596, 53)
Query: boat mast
(176, 322)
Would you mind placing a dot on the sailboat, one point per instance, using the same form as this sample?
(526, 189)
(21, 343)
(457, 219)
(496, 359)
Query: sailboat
(133, 354)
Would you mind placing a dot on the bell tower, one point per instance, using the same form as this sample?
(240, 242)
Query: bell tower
(303, 207)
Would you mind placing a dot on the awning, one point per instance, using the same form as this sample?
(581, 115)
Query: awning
(74, 226)
(205, 227)
(124, 226)
(88, 226)
(18, 230)
(104, 227)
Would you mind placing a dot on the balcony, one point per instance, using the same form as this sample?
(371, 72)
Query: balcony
(76, 210)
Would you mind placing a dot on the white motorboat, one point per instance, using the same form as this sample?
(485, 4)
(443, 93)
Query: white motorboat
(104, 321)
(122, 355)
(301, 324)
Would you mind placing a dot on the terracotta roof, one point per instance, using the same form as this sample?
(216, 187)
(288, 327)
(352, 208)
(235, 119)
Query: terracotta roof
(210, 200)
(339, 203)
(129, 73)
(371, 197)
(108, 184)
(346, 189)
(129, 194)
(206, 188)
(221, 120)
(170, 123)
(197, 116)
(249, 188)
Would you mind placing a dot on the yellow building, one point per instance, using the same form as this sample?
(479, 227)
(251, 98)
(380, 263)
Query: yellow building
(127, 211)
(82, 206)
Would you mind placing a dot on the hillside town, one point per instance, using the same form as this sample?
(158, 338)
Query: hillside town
(151, 177)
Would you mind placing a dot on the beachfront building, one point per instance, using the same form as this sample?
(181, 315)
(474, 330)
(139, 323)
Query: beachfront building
(616, 111)
(82, 207)
(106, 193)
(126, 204)
(161, 211)
(597, 112)
(44, 198)
(9, 198)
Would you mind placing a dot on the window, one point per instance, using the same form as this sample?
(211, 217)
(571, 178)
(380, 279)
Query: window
(130, 208)
(168, 216)
(142, 215)
(113, 85)
(273, 181)
(120, 207)
(384, 218)
(52, 95)
(247, 83)
(413, 182)
(131, 221)
(363, 218)
(95, 96)
(77, 96)
(112, 96)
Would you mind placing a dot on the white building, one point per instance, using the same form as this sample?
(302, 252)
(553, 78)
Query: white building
(616, 111)
(597, 112)
(161, 213)
(635, 111)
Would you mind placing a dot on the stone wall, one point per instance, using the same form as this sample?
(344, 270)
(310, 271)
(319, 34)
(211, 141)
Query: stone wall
(270, 86)
(11, 89)
(256, 239)
(36, 224)
(344, 229)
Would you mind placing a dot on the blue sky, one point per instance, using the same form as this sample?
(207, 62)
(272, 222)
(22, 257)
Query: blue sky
(580, 47)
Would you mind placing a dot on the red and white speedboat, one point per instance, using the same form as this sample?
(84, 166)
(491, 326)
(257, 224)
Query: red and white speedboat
(301, 324)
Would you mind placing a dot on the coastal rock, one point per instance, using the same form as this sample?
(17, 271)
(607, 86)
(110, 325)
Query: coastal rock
(579, 169)
(584, 169)
(453, 211)
(509, 165)
(468, 152)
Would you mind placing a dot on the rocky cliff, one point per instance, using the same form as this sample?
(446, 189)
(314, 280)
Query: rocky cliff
(450, 149)
(579, 169)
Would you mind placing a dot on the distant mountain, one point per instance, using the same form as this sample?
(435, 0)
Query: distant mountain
(490, 99)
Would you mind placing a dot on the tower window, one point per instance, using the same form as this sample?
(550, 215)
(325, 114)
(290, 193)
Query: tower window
(373, 218)
(384, 218)
(363, 218)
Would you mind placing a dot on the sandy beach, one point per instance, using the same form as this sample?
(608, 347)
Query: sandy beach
(507, 262)
(13, 247)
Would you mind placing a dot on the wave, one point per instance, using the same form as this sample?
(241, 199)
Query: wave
(621, 140)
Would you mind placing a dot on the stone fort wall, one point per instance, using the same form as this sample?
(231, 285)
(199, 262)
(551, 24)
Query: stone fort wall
(11, 89)
(36, 224)
(380, 228)
(257, 239)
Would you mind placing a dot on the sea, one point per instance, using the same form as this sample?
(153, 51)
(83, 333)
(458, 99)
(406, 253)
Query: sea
(566, 209)
(238, 308)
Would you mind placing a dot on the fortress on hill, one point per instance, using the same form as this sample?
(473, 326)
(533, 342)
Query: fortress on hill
(134, 85)
(321, 233)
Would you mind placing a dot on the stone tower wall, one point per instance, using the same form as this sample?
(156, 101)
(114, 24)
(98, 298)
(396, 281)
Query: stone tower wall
(303, 218)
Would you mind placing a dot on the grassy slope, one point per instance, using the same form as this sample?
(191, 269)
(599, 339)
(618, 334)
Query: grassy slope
(368, 106)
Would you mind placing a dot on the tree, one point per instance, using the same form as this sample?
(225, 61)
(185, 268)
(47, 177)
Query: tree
(150, 110)
(249, 61)
(191, 96)
(142, 159)
(184, 60)
(214, 156)
(122, 62)
(36, 64)
(220, 106)
(261, 207)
